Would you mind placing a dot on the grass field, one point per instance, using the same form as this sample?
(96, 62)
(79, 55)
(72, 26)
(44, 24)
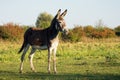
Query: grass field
(89, 60)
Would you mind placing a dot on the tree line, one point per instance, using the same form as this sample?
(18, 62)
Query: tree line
(79, 32)
(14, 32)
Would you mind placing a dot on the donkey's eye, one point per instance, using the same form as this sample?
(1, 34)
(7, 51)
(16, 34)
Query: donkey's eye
(60, 22)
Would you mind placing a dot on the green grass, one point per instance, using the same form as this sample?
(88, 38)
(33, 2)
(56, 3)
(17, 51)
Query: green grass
(98, 60)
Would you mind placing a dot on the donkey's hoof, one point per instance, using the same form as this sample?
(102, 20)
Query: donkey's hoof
(55, 72)
(34, 71)
(49, 72)
(20, 72)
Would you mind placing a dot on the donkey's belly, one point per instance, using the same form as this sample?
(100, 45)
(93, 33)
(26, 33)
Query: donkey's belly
(43, 47)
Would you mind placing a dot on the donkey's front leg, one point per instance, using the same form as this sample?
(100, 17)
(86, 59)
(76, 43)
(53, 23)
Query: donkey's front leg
(54, 60)
(31, 59)
(49, 59)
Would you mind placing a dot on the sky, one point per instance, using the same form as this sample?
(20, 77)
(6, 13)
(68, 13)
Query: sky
(80, 12)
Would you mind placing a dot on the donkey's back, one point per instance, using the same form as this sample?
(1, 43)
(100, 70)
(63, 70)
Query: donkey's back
(34, 37)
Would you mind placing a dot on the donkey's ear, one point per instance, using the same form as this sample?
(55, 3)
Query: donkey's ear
(64, 13)
(59, 11)
(58, 14)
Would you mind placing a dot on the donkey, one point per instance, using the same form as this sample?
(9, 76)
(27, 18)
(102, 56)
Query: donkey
(44, 39)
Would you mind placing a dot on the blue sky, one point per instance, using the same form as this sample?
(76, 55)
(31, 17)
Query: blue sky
(80, 12)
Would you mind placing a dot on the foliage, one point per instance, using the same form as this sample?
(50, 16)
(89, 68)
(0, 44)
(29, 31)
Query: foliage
(79, 32)
(103, 33)
(117, 30)
(74, 34)
(89, 30)
(11, 31)
(15, 32)
(44, 20)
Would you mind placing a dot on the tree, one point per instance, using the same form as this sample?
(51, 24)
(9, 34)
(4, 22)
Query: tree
(100, 25)
(44, 20)
(117, 29)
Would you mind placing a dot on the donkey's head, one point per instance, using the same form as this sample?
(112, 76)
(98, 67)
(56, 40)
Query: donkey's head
(59, 22)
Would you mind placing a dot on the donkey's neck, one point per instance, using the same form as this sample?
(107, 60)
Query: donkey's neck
(53, 32)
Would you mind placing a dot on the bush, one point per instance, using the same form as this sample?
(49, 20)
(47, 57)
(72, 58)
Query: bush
(103, 33)
(11, 31)
(89, 30)
(74, 35)
(117, 30)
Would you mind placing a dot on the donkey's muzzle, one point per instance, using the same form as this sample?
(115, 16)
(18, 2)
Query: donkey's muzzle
(65, 31)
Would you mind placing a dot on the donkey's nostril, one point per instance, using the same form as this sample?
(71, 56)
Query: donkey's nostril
(65, 31)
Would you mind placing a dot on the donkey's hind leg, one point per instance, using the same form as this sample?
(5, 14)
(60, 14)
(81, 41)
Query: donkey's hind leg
(22, 57)
(31, 59)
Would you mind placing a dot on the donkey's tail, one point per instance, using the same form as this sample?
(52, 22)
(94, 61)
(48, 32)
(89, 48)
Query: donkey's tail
(23, 46)
(26, 35)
